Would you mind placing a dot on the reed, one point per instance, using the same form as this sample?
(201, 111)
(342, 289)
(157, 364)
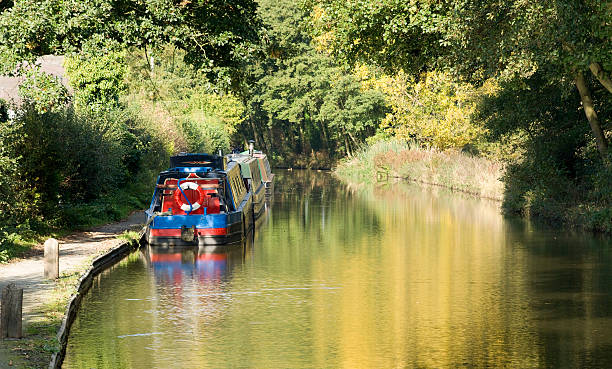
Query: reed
(389, 160)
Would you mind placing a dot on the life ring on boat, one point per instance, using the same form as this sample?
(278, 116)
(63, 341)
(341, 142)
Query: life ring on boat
(178, 198)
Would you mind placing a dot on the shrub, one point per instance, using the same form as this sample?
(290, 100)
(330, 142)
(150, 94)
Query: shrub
(43, 92)
(97, 76)
(209, 121)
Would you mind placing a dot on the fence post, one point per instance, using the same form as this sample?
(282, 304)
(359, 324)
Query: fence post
(51, 259)
(10, 315)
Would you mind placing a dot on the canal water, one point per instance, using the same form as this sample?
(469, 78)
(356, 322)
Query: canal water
(357, 277)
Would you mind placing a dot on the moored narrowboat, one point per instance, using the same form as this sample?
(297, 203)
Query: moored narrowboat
(249, 168)
(265, 172)
(267, 176)
(200, 200)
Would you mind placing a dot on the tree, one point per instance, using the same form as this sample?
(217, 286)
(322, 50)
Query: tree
(393, 34)
(478, 39)
(215, 34)
(300, 102)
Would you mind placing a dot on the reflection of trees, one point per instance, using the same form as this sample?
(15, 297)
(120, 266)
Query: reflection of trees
(571, 299)
(376, 277)
(315, 209)
(439, 292)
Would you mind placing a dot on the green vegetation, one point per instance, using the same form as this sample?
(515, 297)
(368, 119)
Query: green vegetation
(547, 111)
(303, 107)
(69, 162)
(97, 76)
(217, 36)
(190, 111)
(453, 169)
(72, 168)
(311, 82)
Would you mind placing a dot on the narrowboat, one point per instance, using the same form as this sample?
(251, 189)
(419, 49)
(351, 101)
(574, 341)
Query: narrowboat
(265, 172)
(267, 176)
(249, 168)
(200, 200)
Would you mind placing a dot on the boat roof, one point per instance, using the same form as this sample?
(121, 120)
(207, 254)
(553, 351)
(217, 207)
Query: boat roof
(241, 158)
(198, 160)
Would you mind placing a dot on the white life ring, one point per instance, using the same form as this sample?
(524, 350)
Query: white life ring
(185, 205)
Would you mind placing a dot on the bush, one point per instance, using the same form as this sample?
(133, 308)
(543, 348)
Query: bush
(70, 169)
(209, 121)
(97, 76)
(43, 92)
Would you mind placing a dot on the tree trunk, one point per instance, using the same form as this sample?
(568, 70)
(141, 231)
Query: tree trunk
(252, 122)
(346, 143)
(601, 76)
(589, 111)
(302, 139)
(353, 139)
(325, 139)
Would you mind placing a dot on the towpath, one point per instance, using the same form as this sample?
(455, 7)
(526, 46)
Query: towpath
(76, 250)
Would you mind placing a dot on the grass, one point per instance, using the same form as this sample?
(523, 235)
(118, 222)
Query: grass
(452, 169)
(40, 342)
(130, 236)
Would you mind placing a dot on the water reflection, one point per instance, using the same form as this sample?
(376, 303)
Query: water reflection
(205, 264)
(359, 277)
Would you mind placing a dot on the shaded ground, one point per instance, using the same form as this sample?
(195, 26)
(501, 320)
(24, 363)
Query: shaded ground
(76, 252)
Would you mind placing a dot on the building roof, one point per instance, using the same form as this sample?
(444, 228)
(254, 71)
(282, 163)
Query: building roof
(52, 64)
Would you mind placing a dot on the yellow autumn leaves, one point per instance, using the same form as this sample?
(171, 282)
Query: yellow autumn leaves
(434, 110)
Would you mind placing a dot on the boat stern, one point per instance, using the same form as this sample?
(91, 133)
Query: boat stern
(198, 230)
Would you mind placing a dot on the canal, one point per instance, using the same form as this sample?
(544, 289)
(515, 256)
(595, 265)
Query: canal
(339, 277)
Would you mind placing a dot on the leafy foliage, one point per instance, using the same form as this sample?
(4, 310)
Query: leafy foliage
(43, 92)
(435, 111)
(480, 39)
(394, 34)
(304, 108)
(537, 51)
(214, 34)
(209, 121)
(51, 163)
(559, 177)
(97, 76)
(193, 114)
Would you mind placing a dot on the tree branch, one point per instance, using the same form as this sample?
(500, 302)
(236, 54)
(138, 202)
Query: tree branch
(601, 75)
(591, 114)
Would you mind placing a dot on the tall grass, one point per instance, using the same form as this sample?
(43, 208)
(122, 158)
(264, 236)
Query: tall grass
(454, 169)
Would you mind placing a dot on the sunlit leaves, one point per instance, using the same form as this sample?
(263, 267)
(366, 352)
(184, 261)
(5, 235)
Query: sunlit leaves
(215, 34)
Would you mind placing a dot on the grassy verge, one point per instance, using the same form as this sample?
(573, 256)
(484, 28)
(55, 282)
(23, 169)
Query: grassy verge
(40, 341)
(452, 169)
(40, 336)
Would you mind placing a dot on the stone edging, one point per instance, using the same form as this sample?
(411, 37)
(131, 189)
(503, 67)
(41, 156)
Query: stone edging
(98, 265)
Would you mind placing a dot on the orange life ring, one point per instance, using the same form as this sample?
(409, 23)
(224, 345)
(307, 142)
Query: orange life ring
(178, 198)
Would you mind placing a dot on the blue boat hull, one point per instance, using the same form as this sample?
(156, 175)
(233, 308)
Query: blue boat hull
(211, 229)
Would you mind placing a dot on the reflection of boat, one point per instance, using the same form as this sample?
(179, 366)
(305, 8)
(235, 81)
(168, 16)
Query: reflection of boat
(201, 200)
(203, 262)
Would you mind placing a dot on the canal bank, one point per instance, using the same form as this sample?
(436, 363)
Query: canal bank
(398, 161)
(45, 301)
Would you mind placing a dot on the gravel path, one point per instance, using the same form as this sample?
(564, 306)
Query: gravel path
(75, 250)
